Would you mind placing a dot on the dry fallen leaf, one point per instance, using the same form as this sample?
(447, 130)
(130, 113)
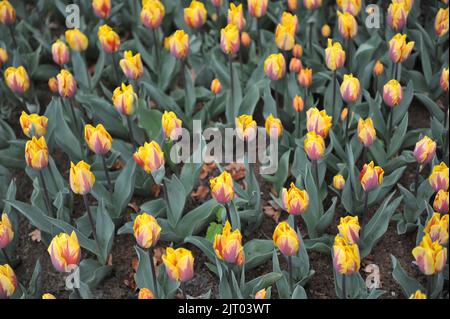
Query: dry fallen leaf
(134, 207)
(271, 210)
(118, 165)
(156, 190)
(237, 170)
(201, 192)
(134, 263)
(35, 235)
(110, 260)
(206, 170)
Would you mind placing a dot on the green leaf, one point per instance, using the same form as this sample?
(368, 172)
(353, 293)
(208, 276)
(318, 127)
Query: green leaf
(249, 102)
(398, 137)
(408, 284)
(257, 252)
(105, 231)
(123, 190)
(176, 196)
(204, 245)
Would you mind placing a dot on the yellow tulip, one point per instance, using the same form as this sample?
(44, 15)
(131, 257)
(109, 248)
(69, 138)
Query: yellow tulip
(245, 39)
(102, 8)
(216, 86)
(98, 139)
(152, 14)
(67, 85)
(236, 16)
(6, 231)
(295, 65)
(195, 15)
(257, 8)
(430, 256)
(171, 125)
(325, 30)
(53, 85)
(418, 295)
(350, 88)
(351, 6)
(33, 124)
(132, 65)
(396, 17)
(440, 203)
(294, 200)
(285, 37)
(318, 121)
(399, 49)
(17, 79)
(334, 55)
(371, 177)
(65, 252)
(366, 132)
(274, 127)
(145, 293)
(439, 177)
(297, 51)
(124, 99)
(425, 150)
(285, 239)
(8, 281)
(81, 178)
(443, 80)
(228, 245)
(347, 25)
(179, 264)
(344, 114)
(222, 188)
(338, 182)
(246, 127)
(146, 230)
(441, 22)
(77, 40)
(314, 146)
(48, 296)
(150, 157)
(60, 53)
(275, 66)
(3, 57)
(261, 294)
(346, 258)
(392, 93)
(230, 39)
(109, 39)
(437, 228)
(312, 4)
(179, 44)
(36, 153)
(7, 12)
(349, 229)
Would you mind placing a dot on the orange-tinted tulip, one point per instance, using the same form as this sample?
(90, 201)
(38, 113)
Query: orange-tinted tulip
(312, 4)
(109, 39)
(245, 39)
(297, 51)
(295, 65)
(53, 85)
(378, 68)
(216, 86)
(228, 245)
(305, 77)
(325, 30)
(152, 14)
(77, 40)
(102, 8)
(145, 293)
(298, 104)
(3, 57)
(286, 239)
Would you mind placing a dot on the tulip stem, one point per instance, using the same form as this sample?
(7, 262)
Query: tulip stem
(46, 197)
(108, 178)
(152, 266)
(334, 95)
(156, 44)
(344, 288)
(230, 60)
(227, 210)
(315, 172)
(363, 213)
(429, 286)
(364, 156)
(347, 123)
(116, 70)
(91, 220)
(290, 273)
(130, 132)
(297, 125)
(5, 255)
(390, 124)
(258, 37)
(87, 72)
(13, 37)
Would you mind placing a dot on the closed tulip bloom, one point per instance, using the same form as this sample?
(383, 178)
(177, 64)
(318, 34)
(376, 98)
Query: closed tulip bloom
(146, 230)
(346, 258)
(443, 81)
(124, 99)
(425, 150)
(67, 85)
(295, 65)
(246, 127)
(392, 93)
(132, 65)
(6, 231)
(350, 88)
(228, 245)
(222, 188)
(338, 182)
(418, 295)
(294, 200)
(261, 294)
(65, 252)
(312, 4)
(351, 6)
(305, 77)
(439, 177)
(274, 127)
(407, 3)
(53, 85)
(371, 177)
(8, 280)
(437, 228)
(230, 39)
(245, 39)
(396, 17)
(284, 37)
(378, 68)
(179, 264)
(297, 51)
(150, 157)
(430, 256)
(441, 23)
(7, 12)
(33, 124)
(195, 15)
(179, 44)
(399, 49)
(334, 55)
(286, 239)
(366, 132)
(257, 8)
(236, 16)
(290, 21)
(109, 39)
(152, 14)
(325, 30)
(98, 139)
(60, 52)
(349, 229)
(3, 56)
(217, 3)
(318, 121)
(17, 79)
(81, 178)
(36, 153)
(347, 25)
(146, 293)
(275, 66)
(344, 114)
(171, 125)
(440, 203)
(102, 8)
(314, 146)
(48, 296)
(77, 40)
(216, 86)
(298, 104)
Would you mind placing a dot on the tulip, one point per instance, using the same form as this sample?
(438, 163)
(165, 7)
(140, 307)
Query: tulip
(318, 121)
(171, 125)
(8, 280)
(179, 264)
(285, 37)
(441, 22)
(378, 68)
(245, 39)
(7, 13)
(145, 293)
(228, 245)
(98, 139)
(102, 8)
(407, 3)
(443, 81)
(60, 52)
(274, 127)
(124, 99)
(236, 16)
(440, 203)
(314, 146)
(437, 228)
(430, 256)
(132, 65)
(305, 77)
(399, 49)
(312, 4)
(222, 188)
(346, 258)
(292, 5)
(338, 182)
(275, 66)
(439, 177)
(17, 79)
(348, 27)
(261, 294)
(425, 150)
(3, 56)
(33, 124)
(146, 230)
(53, 85)
(351, 6)
(325, 30)
(371, 177)
(392, 93)
(81, 178)
(257, 8)
(195, 15)
(295, 65)
(350, 88)
(65, 252)
(286, 239)
(179, 44)
(396, 17)
(36, 153)
(297, 51)
(152, 14)
(230, 39)
(294, 200)
(109, 39)
(6, 231)
(77, 40)
(150, 157)
(366, 132)
(334, 55)
(298, 104)
(418, 295)
(48, 296)
(216, 86)
(67, 85)
(246, 127)
(344, 114)
(349, 229)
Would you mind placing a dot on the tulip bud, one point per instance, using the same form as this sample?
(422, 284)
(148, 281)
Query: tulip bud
(146, 230)
(378, 68)
(17, 79)
(150, 157)
(286, 239)
(349, 229)
(440, 203)
(216, 86)
(65, 252)
(152, 14)
(67, 85)
(295, 65)
(132, 65)
(366, 132)
(392, 93)
(312, 4)
(439, 177)
(8, 280)
(98, 139)
(437, 228)
(425, 150)
(236, 16)
(171, 125)
(246, 127)
(399, 49)
(275, 66)
(6, 231)
(60, 52)
(3, 57)
(396, 17)
(297, 51)
(179, 264)
(261, 294)
(81, 178)
(441, 22)
(77, 40)
(318, 121)
(53, 85)
(257, 8)
(351, 6)
(348, 27)
(294, 200)
(430, 256)
(346, 258)
(48, 296)
(338, 182)
(334, 55)
(228, 245)
(7, 13)
(344, 114)
(314, 146)
(145, 293)
(245, 39)
(230, 39)
(326, 30)
(195, 15)
(350, 89)
(222, 188)
(124, 99)
(179, 44)
(274, 127)
(305, 77)
(371, 177)
(443, 81)
(298, 104)
(109, 39)
(33, 124)
(418, 295)
(36, 153)
(102, 8)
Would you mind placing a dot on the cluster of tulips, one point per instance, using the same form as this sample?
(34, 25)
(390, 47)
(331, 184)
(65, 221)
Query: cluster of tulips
(348, 121)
